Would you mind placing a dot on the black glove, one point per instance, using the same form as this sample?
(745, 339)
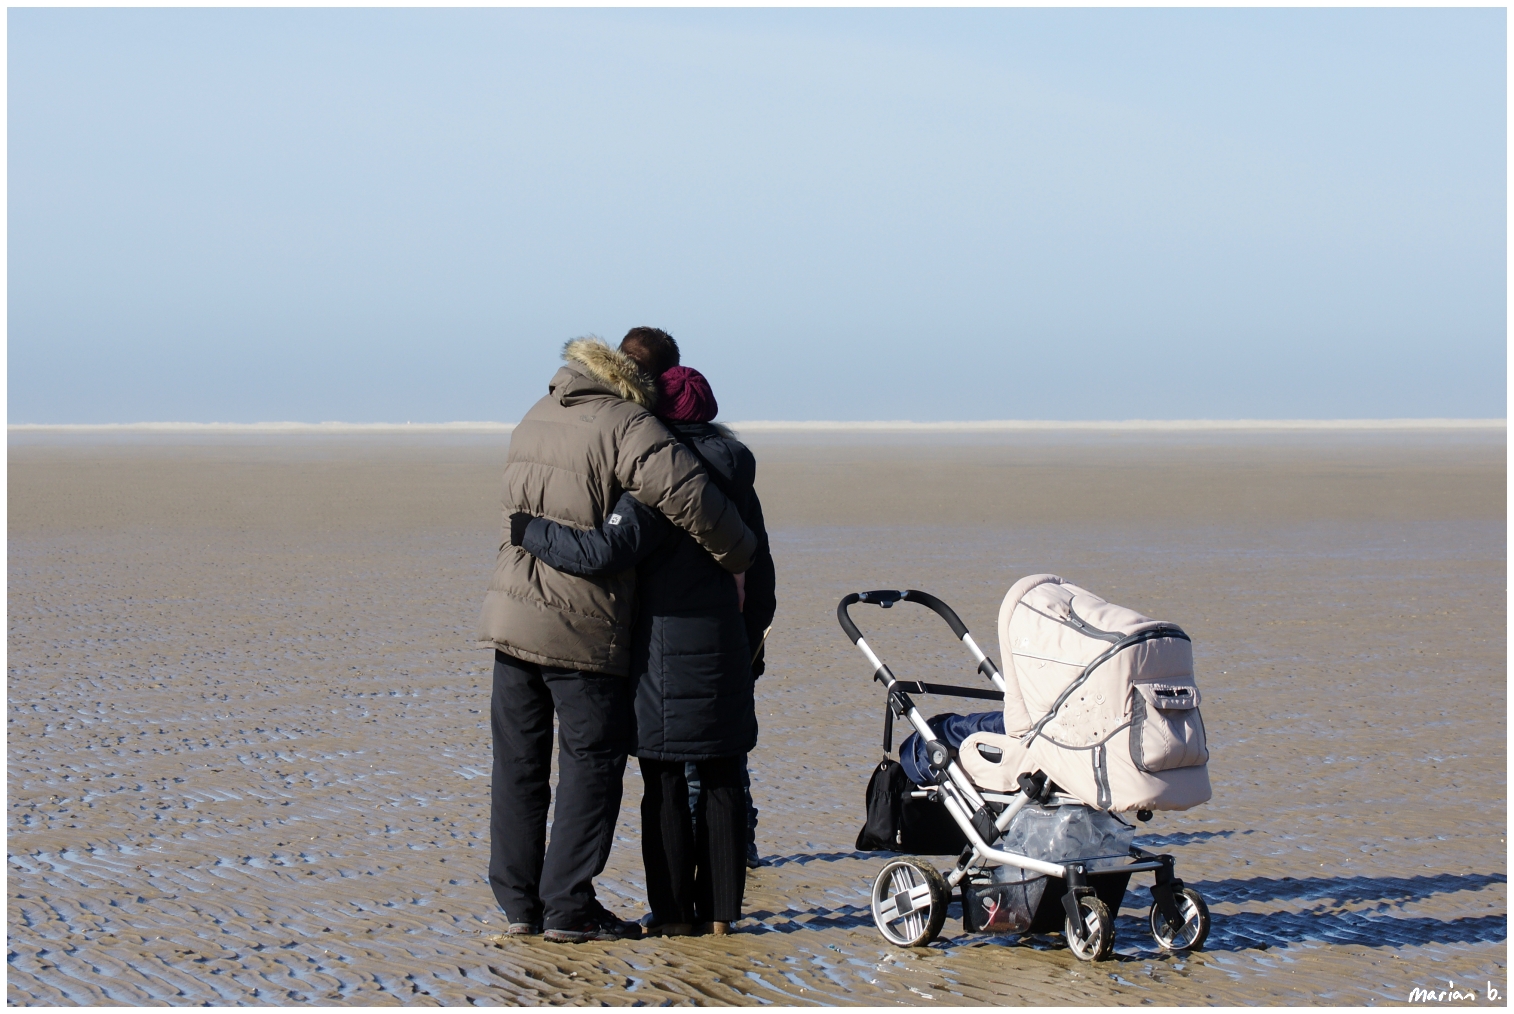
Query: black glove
(518, 522)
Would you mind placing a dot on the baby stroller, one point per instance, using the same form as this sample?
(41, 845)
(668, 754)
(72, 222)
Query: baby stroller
(1091, 730)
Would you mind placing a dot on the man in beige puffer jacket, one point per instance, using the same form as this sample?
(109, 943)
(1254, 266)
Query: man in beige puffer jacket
(562, 643)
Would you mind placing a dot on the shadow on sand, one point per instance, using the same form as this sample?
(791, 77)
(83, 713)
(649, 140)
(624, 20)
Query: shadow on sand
(1345, 890)
(1243, 930)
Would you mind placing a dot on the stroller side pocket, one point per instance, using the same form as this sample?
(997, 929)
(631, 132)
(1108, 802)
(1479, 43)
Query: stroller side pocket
(1166, 730)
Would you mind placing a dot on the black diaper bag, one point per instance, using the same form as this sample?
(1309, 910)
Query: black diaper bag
(897, 822)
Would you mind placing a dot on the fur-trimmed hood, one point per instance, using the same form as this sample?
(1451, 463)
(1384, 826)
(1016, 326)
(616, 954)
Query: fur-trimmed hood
(617, 372)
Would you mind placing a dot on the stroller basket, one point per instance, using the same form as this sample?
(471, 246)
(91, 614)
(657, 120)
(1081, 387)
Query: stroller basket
(1003, 889)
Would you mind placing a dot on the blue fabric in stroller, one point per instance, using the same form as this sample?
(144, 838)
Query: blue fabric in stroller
(951, 729)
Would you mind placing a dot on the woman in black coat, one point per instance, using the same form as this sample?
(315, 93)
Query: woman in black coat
(695, 652)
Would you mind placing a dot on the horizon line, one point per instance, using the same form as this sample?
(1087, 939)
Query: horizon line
(785, 426)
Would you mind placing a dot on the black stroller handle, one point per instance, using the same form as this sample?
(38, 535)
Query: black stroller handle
(887, 598)
(845, 619)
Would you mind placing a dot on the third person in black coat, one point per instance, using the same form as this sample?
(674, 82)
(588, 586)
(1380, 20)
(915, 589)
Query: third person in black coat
(695, 642)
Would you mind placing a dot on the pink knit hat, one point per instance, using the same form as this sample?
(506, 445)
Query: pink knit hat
(685, 396)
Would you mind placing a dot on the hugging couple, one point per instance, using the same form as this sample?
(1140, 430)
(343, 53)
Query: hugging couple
(630, 598)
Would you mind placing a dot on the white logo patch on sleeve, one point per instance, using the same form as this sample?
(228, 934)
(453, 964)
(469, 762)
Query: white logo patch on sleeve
(614, 519)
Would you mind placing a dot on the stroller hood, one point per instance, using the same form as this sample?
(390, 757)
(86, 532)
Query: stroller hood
(1102, 698)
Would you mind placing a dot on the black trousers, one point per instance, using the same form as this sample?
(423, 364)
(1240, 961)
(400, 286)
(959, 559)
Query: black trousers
(695, 863)
(691, 773)
(532, 881)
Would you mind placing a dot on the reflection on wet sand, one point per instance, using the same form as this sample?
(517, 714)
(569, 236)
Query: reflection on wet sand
(248, 753)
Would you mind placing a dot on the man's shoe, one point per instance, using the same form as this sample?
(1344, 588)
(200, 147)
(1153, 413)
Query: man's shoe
(602, 926)
(524, 929)
(715, 929)
(753, 860)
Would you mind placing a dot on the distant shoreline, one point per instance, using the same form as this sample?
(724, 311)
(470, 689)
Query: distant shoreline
(813, 426)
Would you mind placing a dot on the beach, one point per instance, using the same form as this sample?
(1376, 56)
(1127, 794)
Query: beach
(249, 750)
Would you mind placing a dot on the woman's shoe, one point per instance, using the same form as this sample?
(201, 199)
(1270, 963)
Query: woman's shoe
(671, 929)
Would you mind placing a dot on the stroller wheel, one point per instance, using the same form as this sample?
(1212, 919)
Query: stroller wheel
(910, 898)
(1194, 929)
(1097, 939)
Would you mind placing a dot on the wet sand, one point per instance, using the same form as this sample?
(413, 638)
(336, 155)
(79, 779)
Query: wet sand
(249, 754)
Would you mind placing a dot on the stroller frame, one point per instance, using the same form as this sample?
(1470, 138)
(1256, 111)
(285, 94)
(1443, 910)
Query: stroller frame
(909, 905)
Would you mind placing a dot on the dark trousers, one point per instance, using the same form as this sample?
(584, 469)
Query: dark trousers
(695, 863)
(534, 882)
(691, 773)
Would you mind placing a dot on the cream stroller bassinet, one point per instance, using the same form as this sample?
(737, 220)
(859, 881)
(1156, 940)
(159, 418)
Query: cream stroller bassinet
(1100, 698)
(1101, 717)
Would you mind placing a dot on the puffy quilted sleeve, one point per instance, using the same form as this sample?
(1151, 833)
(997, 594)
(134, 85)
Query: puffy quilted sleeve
(627, 537)
(665, 475)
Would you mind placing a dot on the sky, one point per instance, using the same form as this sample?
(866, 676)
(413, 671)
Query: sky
(402, 215)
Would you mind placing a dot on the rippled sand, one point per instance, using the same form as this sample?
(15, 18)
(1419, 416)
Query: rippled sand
(248, 750)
